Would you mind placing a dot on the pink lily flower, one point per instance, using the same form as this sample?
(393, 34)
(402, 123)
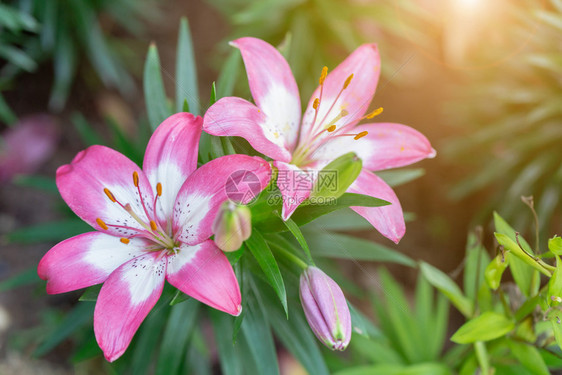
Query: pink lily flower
(329, 128)
(152, 225)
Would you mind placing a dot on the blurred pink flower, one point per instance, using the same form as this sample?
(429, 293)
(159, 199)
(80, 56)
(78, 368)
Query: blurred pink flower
(329, 128)
(27, 145)
(152, 225)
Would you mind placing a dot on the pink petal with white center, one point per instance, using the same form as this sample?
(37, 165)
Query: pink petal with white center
(237, 117)
(204, 273)
(385, 146)
(239, 178)
(85, 260)
(295, 185)
(388, 220)
(125, 300)
(171, 156)
(365, 65)
(82, 185)
(273, 87)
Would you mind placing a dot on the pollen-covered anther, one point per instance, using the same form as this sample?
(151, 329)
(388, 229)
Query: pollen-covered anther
(376, 112)
(323, 75)
(347, 81)
(316, 104)
(125, 240)
(136, 178)
(331, 128)
(153, 225)
(109, 194)
(361, 135)
(101, 223)
(159, 189)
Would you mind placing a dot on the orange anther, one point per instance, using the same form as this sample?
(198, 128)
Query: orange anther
(125, 240)
(109, 194)
(331, 128)
(348, 81)
(316, 104)
(159, 189)
(376, 112)
(153, 225)
(101, 223)
(136, 178)
(361, 135)
(323, 75)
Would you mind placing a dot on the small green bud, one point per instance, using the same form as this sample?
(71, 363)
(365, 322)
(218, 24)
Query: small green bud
(494, 271)
(232, 226)
(336, 177)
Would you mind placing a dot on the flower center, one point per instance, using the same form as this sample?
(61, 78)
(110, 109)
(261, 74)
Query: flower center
(151, 229)
(321, 130)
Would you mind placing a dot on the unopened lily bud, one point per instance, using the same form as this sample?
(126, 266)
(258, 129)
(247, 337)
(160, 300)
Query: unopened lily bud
(325, 308)
(336, 177)
(232, 226)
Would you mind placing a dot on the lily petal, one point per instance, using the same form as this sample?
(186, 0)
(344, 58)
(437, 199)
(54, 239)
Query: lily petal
(365, 65)
(388, 220)
(385, 146)
(237, 177)
(237, 117)
(85, 260)
(204, 273)
(295, 185)
(273, 87)
(82, 185)
(171, 156)
(125, 300)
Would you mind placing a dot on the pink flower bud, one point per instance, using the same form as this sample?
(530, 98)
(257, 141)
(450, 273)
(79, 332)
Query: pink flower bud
(232, 226)
(325, 308)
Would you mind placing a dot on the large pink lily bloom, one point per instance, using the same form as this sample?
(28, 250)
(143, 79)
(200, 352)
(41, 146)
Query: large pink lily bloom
(329, 128)
(152, 225)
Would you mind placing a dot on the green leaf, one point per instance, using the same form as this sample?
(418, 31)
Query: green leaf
(79, 316)
(308, 212)
(392, 369)
(6, 114)
(65, 61)
(23, 278)
(257, 335)
(555, 245)
(223, 328)
(179, 297)
(91, 293)
(87, 133)
(213, 98)
(296, 336)
(186, 70)
(488, 326)
(555, 318)
(344, 220)
(47, 184)
(362, 325)
(228, 75)
(154, 94)
(332, 245)
(295, 230)
(514, 248)
(51, 231)
(475, 263)
(504, 228)
(173, 345)
(555, 285)
(147, 340)
(268, 264)
(448, 287)
(529, 357)
(399, 177)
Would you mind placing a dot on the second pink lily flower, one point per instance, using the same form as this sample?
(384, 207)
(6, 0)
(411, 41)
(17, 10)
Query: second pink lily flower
(329, 127)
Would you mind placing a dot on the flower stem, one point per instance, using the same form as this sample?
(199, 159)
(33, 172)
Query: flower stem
(290, 256)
